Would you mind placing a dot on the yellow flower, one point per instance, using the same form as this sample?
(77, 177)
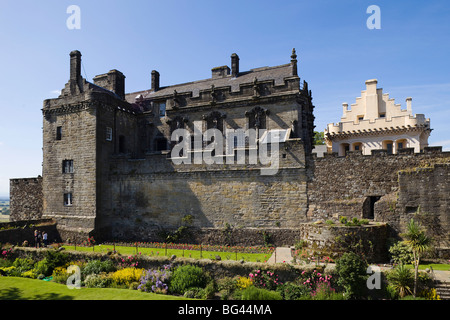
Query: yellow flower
(243, 282)
(126, 276)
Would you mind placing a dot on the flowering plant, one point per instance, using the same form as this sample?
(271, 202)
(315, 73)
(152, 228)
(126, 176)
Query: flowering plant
(243, 282)
(316, 281)
(6, 253)
(264, 279)
(130, 261)
(155, 280)
(127, 275)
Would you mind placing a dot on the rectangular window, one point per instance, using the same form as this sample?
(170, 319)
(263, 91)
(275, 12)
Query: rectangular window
(360, 118)
(389, 148)
(162, 109)
(382, 115)
(108, 134)
(121, 144)
(58, 133)
(68, 199)
(67, 166)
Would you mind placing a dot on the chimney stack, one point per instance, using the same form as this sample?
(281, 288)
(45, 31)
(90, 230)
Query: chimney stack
(75, 65)
(155, 80)
(234, 65)
(294, 62)
(408, 104)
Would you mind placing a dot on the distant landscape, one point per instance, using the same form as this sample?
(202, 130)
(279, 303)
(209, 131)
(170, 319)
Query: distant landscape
(4, 209)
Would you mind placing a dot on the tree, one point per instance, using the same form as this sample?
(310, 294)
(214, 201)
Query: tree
(351, 270)
(419, 243)
(319, 138)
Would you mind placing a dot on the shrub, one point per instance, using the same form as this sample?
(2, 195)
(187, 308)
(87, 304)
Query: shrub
(401, 253)
(401, 280)
(351, 271)
(97, 267)
(125, 276)
(253, 293)
(343, 219)
(52, 260)
(60, 275)
(185, 277)
(292, 291)
(97, 280)
(243, 282)
(264, 279)
(23, 264)
(226, 287)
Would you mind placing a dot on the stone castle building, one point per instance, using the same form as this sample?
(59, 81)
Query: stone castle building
(107, 164)
(108, 169)
(376, 122)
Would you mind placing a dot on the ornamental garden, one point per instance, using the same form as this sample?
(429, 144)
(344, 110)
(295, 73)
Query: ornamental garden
(174, 271)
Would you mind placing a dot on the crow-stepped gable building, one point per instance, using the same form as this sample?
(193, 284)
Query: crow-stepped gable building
(376, 122)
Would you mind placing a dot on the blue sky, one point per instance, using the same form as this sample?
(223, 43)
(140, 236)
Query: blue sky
(183, 40)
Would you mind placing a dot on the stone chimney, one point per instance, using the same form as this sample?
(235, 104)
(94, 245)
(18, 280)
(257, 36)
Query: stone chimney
(234, 65)
(220, 72)
(294, 62)
(408, 104)
(155, 80)
(75, 65)
(113, 81)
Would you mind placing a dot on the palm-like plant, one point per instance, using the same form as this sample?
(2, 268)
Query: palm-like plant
(419, 243)
(401, 280)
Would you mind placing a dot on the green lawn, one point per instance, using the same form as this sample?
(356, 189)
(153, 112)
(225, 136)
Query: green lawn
(250, 257)
(16, 288)
(435, 266)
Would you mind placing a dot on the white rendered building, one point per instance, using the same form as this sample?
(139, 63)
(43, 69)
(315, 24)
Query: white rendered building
(376, 122)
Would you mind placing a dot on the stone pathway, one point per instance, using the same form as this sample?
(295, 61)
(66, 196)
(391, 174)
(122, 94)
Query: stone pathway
(280, 255)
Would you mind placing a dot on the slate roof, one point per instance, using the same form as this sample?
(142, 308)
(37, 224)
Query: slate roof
(277, 74)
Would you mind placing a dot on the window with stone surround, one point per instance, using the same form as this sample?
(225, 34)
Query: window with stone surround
(67, 166)
(109, 134)
(68, 199)
(58, 133)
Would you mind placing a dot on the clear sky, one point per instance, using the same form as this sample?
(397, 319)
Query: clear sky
(183, 40)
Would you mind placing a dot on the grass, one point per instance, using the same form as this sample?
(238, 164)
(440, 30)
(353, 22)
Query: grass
(435, 266)
(250, 257)
(16, 288)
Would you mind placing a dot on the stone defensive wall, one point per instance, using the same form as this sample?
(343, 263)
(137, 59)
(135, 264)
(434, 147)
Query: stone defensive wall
(382, 187)
(26, 199)
(144, 196)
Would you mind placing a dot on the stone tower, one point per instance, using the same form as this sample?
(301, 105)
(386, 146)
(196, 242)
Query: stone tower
(78, 135)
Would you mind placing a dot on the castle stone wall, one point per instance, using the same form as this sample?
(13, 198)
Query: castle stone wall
(424, 195)
(343, 186)
(25, 199)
